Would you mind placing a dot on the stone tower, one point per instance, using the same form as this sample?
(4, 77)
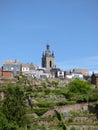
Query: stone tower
(48, 58)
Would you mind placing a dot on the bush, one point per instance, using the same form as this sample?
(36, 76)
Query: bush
(5, 125)
(65, 103)
(70, 119)
(80, 86)
(47, 91)
(46, 104)
(40, 111)
(72, 128)
(62, 103)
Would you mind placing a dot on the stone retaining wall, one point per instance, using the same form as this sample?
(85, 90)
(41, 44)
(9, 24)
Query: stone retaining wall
(67, 108)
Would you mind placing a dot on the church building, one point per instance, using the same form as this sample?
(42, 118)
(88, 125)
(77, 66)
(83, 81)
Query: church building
(48, 59)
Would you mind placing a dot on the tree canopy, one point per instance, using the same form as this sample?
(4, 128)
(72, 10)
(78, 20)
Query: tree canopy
(14, 107)
(78, 90)
(79, 86)
(5, 125)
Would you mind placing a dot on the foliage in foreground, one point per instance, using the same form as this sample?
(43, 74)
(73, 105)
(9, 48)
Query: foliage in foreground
(5, 125)
(13, 115)
(13, 109)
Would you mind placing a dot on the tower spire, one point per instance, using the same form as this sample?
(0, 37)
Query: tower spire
(47, 52)
(53, 53)
(48, 47)
(43, 53)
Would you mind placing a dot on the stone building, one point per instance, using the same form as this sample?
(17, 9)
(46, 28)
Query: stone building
(48, 59)
(85, 72)
(12, 65)
(28, 67)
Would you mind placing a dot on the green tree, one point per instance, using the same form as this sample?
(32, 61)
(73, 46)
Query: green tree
(5, 125)
(79, 90)
(79, 86)
(3, 121)
(14, 107)
(94, 96)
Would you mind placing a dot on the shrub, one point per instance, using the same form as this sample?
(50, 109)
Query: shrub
(46, 104)
(65, 103)
(40, 111)
(71, 119)
(47, 91)
(62, 103)
(72, 128)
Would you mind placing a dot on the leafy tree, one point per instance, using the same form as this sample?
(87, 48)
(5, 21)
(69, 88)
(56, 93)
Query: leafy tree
(94, 96)
(79, 86)
(3, 120)
(78, 90)
(5, 125)
(14, 107)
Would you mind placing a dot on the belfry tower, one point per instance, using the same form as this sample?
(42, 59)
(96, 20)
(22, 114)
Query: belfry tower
(48, 58)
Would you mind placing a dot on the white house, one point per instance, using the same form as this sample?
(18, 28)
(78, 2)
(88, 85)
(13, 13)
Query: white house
(68, 76)
(28, 67)
(40, 73)
(74, 75)
(60, 74)
(77, 75)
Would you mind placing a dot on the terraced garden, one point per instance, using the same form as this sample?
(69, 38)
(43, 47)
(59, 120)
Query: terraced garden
(48, 104)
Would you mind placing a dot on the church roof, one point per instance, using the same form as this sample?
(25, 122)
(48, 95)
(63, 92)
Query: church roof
(48, 52)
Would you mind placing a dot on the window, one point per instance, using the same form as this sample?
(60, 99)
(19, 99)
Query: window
(50, 63)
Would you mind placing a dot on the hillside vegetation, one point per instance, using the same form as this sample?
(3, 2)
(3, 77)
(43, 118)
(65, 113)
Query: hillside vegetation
(26, 101)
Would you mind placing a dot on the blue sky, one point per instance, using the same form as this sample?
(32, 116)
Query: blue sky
(69, 26)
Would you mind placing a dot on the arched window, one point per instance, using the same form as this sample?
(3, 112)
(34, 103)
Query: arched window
(50, 64)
